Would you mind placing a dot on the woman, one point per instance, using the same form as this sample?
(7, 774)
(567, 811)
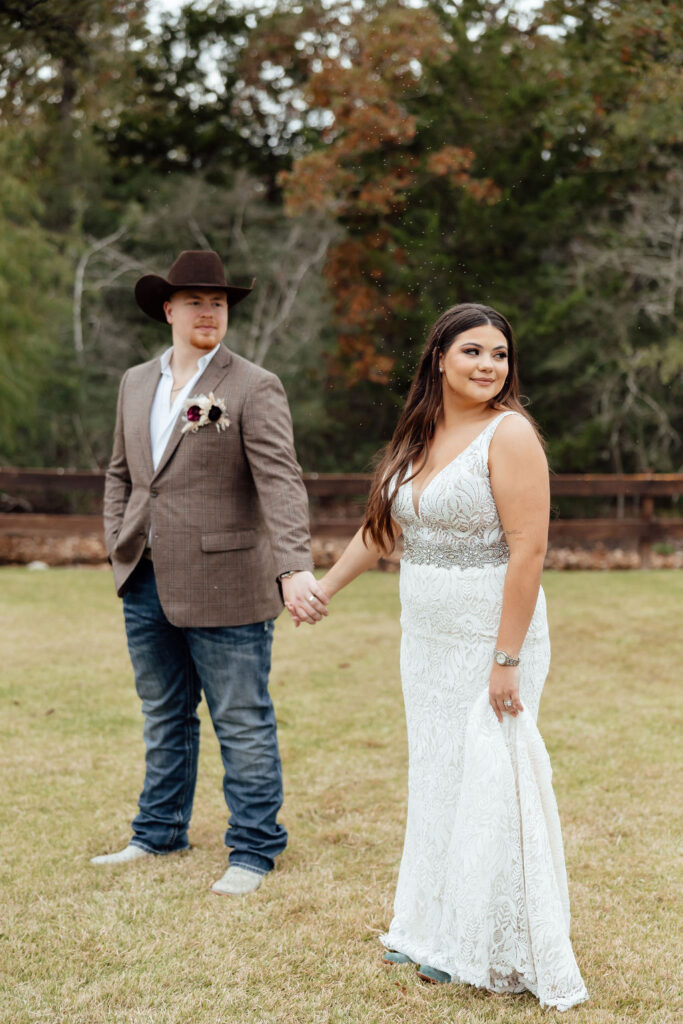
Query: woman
(482, 891)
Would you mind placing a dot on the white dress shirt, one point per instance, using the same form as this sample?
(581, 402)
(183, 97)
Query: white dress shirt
(164, 413)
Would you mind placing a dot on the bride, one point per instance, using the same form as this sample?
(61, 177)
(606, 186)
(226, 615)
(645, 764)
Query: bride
(482, 890)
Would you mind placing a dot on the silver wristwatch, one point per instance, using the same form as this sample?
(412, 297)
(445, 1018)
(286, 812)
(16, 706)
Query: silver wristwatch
(501, 658)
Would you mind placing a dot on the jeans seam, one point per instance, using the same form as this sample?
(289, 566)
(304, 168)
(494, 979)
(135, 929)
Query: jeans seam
(248, 867)
(157, 853)
(143, 846)
(189, 767)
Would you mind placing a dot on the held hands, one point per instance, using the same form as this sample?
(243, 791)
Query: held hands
(504, 686)
(305, 599)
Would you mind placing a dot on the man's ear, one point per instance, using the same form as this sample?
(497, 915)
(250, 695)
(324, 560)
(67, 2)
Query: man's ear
(168, 310)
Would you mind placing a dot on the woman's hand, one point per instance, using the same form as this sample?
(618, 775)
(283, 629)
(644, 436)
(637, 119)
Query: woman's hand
(304, 598)
(355, 559)
(323, 597)
(504, 686)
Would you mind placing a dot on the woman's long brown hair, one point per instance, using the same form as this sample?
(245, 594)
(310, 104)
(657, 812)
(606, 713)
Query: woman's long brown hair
(422, 411)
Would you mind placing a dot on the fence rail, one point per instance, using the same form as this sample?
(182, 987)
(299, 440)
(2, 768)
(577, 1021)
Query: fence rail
(356, 484)
(336, 503)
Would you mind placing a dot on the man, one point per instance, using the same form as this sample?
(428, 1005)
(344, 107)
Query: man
(206, 527)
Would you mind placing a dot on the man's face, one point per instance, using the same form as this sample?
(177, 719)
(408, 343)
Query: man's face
(198, 316)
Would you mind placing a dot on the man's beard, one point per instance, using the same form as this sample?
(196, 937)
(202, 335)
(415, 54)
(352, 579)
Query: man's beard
(198, 339)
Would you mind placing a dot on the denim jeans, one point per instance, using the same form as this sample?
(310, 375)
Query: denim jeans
(172, 666)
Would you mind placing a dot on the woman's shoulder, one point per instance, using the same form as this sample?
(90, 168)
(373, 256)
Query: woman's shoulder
(514, 434)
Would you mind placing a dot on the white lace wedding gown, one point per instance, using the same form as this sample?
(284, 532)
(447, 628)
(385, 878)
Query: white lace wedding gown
(482, 889)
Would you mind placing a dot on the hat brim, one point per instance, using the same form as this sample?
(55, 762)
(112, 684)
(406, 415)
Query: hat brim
(152, 291)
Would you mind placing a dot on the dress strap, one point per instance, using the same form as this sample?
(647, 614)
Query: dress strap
(488, 432)
(493, 425)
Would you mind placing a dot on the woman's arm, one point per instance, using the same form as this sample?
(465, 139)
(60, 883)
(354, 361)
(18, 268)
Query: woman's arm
(520, 485)
(358, 556)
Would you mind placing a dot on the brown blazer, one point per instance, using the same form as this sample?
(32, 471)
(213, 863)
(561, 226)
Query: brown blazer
(228, 511)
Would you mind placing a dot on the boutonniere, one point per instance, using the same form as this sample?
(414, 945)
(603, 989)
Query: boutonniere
(204, 409)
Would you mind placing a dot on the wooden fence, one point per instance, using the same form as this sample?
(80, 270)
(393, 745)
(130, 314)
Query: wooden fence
(337, 502)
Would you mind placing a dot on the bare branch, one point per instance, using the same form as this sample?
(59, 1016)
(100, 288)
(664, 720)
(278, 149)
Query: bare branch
(289, 293)
(79, 277)
(198, 233)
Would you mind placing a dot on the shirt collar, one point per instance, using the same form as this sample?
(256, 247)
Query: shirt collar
(205, 360)
(202, 362)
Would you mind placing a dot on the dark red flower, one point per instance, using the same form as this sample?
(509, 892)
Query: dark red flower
(193, 413)
(214, 413)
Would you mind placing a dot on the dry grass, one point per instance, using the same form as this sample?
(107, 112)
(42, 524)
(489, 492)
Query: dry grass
(149, 943)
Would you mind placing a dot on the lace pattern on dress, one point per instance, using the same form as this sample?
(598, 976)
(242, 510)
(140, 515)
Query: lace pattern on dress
(482, 891)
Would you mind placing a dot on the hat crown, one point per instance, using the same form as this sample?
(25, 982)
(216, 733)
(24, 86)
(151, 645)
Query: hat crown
(197, 267)
(194, 268)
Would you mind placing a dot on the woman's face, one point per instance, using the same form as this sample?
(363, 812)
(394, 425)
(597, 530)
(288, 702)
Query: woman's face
(475, 366)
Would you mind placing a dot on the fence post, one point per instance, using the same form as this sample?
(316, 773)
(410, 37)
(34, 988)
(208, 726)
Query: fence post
(647, 512)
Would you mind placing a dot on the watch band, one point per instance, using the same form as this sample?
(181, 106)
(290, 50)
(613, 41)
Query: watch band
(501, 658)
(289, 572)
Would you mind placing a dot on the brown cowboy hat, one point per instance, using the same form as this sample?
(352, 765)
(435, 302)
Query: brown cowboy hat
(194, 268)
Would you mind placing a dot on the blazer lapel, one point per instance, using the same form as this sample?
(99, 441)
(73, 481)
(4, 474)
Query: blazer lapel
(147, 388)
(209, 381)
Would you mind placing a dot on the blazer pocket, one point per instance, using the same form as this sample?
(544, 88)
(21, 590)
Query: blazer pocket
(229, 541)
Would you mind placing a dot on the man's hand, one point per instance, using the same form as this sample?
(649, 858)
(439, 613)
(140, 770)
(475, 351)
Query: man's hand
(305, 599)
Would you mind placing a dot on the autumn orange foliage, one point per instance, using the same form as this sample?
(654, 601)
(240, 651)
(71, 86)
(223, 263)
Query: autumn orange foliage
(360, 74)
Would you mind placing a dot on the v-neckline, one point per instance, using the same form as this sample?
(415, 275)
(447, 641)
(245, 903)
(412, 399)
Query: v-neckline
(416, 508)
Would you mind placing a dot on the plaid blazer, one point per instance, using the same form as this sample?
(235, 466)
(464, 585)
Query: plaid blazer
(228, 510)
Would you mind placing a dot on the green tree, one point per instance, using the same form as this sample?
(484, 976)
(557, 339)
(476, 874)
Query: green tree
(550, 112)
(65, 66)
(186, 115)
(426, 155)
(34, 279)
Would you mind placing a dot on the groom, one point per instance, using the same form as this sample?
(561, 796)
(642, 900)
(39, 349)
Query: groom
(206, 527)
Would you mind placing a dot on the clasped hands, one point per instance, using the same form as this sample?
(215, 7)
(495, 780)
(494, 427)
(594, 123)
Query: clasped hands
(304, 598)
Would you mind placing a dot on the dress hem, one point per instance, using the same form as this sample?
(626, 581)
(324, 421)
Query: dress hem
(460, 974)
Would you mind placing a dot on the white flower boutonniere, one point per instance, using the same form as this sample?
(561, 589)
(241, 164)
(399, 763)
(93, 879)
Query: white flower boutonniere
(204, 409)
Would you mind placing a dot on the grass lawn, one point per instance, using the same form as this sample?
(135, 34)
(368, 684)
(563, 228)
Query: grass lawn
(148, 942)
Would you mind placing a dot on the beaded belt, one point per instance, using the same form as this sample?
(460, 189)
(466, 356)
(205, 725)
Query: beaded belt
(463, 554)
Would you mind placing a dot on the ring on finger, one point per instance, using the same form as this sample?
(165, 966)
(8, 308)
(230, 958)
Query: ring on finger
(507, 703)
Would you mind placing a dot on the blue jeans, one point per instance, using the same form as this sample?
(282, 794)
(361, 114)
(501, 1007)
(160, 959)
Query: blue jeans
(172, 666)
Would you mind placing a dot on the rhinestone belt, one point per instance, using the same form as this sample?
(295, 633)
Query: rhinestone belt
(463, 554)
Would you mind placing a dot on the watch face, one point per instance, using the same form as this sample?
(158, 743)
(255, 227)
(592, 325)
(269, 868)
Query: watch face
(500, 658)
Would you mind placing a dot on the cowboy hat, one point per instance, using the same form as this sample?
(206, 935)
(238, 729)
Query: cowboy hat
(194, 268)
